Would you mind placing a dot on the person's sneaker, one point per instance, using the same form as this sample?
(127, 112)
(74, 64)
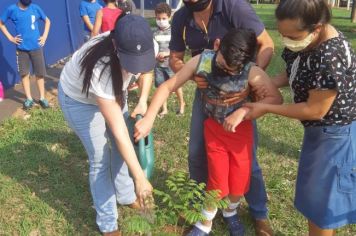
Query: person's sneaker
(196, 232)
(235, 226)
(263, 228)
(44, 103)
(27, 104)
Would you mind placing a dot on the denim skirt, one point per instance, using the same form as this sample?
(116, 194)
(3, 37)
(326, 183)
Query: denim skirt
(326, 181)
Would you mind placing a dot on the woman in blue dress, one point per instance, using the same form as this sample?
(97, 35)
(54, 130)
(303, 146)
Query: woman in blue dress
(321, 71)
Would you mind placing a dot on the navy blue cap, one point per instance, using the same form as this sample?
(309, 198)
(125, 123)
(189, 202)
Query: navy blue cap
(134, 42)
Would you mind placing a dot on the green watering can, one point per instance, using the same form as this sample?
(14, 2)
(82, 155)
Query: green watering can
(144, 149)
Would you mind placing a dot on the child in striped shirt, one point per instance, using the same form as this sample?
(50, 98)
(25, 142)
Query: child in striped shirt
(162, 35)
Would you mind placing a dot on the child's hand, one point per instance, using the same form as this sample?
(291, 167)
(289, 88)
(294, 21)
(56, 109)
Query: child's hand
(42, 41)
(16, 40)
(233, 120)
(160, 57)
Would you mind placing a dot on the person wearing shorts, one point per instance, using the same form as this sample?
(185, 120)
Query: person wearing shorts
(162, 35)
(25, 15)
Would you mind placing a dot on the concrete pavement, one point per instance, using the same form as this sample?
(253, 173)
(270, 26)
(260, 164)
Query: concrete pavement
(14, 97)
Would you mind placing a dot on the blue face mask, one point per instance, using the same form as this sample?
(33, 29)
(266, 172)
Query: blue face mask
(26, 2)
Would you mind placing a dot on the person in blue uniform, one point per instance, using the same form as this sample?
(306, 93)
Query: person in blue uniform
(29, 43)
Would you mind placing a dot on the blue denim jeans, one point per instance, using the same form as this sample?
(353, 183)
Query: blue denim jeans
(109, 177)
(256, 197)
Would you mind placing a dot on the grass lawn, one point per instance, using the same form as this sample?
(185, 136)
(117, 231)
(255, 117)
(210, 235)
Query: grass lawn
(44, 170)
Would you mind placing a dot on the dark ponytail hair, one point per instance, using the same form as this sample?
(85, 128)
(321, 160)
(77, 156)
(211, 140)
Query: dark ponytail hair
(109, 1)
(125, 5)
(238, 47)
(309, 12)
(97, 53)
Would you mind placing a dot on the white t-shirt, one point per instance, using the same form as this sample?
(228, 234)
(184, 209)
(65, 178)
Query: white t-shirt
(72, 80)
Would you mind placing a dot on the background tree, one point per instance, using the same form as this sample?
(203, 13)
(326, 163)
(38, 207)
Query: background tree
(353, 12)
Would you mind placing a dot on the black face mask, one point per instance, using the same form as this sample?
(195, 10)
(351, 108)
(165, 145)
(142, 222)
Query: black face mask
(197, 6)
(26, 2)
(216, 70)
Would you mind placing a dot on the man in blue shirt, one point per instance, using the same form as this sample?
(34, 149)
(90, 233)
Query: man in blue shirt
(29, 44)
(196, 26)
(88, 9)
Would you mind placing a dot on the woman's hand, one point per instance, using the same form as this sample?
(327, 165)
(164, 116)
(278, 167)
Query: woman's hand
(143, 128)
(143, 191)
(256, 110)
(140, 109)
(233, 120)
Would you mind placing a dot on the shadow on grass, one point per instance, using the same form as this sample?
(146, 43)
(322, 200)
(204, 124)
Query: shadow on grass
(54, 166)
(278, 147)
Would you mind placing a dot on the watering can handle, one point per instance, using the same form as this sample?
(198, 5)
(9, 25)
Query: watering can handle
(141, 148)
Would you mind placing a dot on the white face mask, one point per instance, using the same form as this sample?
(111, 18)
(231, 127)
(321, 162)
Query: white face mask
(297, 46)
(163, 24)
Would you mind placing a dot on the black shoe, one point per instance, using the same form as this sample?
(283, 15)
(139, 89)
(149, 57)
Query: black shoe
(196, 232)
(236, 228)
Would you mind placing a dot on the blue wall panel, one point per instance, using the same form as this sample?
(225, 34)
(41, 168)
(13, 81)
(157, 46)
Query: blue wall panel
(151, 4)
(65, 36)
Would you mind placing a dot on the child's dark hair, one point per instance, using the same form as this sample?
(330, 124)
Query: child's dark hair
(163, 8)
(109, 1)
(238, 47)
(94, 55)
(125, 6)
(308, 12)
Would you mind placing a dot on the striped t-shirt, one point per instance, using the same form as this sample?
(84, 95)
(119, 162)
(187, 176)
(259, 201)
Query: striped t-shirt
(163, 37)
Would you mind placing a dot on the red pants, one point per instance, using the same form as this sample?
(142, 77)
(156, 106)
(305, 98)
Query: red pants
(229, 157)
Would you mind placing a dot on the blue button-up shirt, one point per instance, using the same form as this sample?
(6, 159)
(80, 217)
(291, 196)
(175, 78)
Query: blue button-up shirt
(227, 14)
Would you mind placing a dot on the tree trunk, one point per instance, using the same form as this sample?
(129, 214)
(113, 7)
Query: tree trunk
(353, 12)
